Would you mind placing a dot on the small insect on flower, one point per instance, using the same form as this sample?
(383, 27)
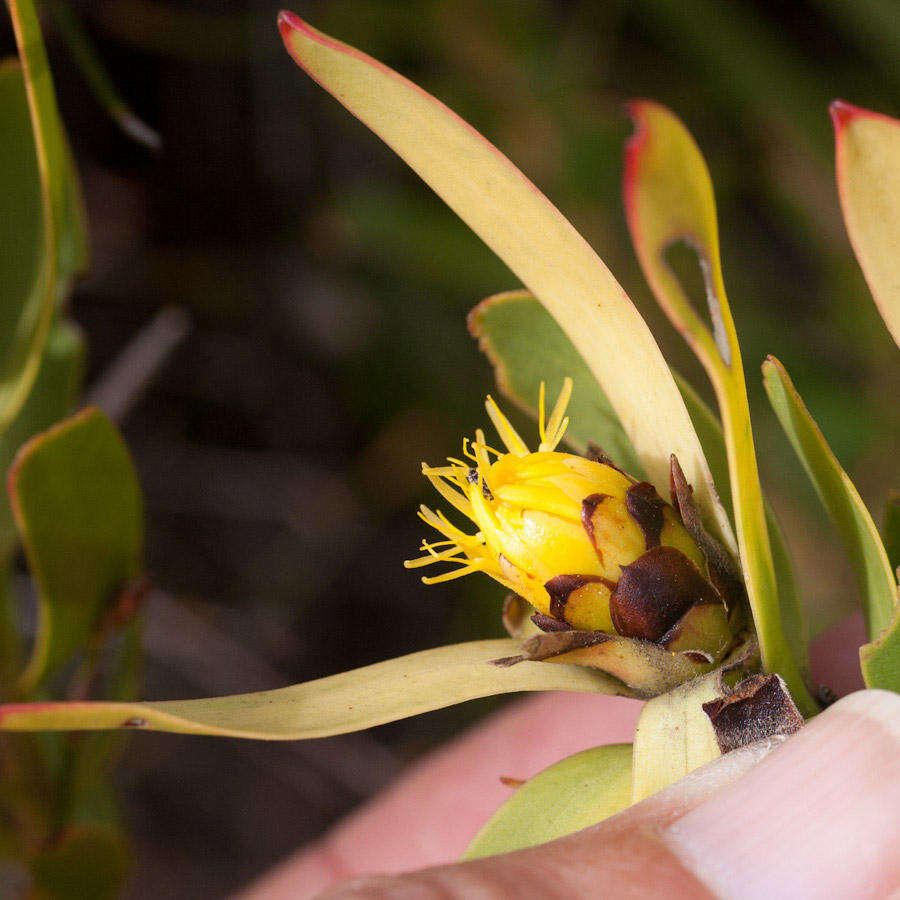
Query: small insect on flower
(589, 547)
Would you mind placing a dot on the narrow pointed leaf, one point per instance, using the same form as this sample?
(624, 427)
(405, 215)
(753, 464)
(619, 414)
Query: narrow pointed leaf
(674, 736)
(531, 236)
(78, 508)
(576, 792)
(384, 692)
(669, 199)
(867, 149)
(44, 229)
(840, 498)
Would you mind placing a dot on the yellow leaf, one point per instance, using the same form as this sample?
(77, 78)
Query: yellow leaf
(361, 698)
(532, 237)
(867, 149)
(674, 736)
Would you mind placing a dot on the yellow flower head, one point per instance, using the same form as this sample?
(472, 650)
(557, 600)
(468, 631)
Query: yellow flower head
(561, 531)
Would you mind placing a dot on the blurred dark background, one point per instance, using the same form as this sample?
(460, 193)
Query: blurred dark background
(279, 447)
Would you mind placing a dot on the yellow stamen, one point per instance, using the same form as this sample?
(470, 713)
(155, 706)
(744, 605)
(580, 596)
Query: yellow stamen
(449, 555)
(541, 429)
(449, 576)
(556, 426)
(481, 450)
(450, 494)
(508, 434)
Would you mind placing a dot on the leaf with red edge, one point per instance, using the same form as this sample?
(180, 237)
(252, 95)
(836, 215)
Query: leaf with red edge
(533, 238)
(867, 151)
(668, 201)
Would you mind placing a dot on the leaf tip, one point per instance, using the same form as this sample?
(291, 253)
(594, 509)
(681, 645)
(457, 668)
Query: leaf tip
(288, 22)
(842, 114)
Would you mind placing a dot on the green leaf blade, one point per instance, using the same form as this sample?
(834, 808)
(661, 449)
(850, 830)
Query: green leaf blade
(576, 792)
(880, 659)
(78, 508)
(840, 498)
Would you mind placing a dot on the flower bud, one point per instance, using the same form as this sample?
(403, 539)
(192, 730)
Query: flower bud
(585, 544)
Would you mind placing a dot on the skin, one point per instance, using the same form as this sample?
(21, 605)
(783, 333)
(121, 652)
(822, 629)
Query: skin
(736, 828)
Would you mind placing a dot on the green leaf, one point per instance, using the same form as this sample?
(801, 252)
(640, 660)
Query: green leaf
(880, 660)
(77, 504)
(669, 200)
(526, 346)
(55, 389)
(43, 217)
(892, 529)
(350, 701)
(674, 736)
(537, 243)
(840, 498)
(576, 792)
(85, 861)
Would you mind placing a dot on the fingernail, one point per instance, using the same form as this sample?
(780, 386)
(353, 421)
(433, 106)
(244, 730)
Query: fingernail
(819, 816)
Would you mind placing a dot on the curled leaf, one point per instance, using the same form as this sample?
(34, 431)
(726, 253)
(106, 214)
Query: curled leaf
(674, 736)
(669, 199)
(526, 348)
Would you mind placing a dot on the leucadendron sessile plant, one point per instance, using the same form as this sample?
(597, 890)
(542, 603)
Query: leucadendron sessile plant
(636, 549)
